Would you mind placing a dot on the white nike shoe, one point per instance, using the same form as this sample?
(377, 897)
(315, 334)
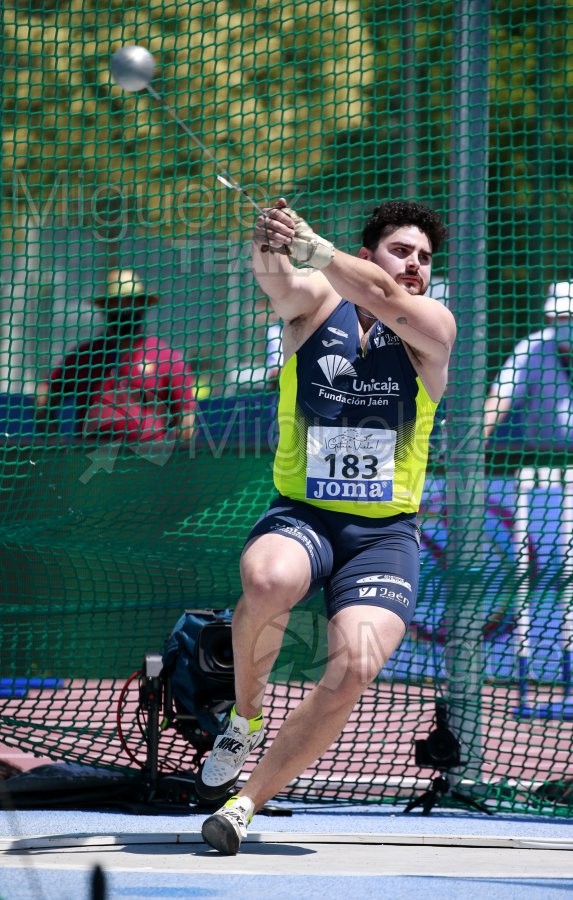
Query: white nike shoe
(226, 828)
(223, 766)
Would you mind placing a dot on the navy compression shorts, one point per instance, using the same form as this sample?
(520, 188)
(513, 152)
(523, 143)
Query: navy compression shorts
(375, 562)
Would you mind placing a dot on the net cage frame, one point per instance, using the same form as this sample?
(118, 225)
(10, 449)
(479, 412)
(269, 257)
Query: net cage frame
(102, 549)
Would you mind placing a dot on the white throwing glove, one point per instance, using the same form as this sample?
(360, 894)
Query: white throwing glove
(307, 247)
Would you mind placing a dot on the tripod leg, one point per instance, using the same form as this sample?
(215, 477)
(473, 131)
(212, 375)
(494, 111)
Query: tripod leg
(469, 801)
(427, 801)
(412, 804)
(151, 698)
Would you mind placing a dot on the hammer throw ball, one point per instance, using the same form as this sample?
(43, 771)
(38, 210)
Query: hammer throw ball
(132, 68)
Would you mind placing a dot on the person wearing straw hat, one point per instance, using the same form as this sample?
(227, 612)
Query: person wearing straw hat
(530, 403)
(124, 385)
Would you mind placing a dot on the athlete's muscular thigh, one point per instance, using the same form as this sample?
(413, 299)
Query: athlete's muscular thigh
(275, 569)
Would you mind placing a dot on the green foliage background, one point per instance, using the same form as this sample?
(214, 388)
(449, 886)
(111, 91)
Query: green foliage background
(251, 80)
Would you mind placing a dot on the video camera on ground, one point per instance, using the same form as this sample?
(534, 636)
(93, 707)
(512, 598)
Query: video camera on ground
(441, 749)
(198, 674)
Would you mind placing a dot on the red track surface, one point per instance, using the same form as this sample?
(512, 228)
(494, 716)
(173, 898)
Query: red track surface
(78, 723)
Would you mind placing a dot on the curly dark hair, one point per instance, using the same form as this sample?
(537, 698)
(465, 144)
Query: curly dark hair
(393, 214)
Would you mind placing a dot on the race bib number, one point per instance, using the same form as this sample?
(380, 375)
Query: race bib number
(349, 464)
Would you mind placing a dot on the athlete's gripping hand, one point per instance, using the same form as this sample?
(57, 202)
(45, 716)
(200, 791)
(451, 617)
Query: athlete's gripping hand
(274, 229)
(281, 230)
(306, 247)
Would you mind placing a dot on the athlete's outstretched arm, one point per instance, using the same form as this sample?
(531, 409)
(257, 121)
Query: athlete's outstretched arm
(424, 323)
(293, 292)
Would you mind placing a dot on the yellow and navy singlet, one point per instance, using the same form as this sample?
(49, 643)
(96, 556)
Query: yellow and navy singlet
(354, 424)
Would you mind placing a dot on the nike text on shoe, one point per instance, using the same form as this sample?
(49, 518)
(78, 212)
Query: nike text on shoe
(230, 750)
(226, 828)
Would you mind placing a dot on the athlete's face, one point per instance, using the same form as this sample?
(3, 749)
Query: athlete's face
(406, 255)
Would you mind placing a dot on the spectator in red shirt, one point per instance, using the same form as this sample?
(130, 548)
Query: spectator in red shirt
(125, 386)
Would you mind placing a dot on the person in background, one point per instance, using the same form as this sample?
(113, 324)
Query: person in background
(265, 377)
(532, 395)
(123, 385)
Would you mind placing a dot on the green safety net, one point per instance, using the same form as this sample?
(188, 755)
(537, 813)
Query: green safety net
(107, 536)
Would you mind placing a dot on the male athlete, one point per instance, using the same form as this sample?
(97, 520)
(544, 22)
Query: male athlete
(366, 362)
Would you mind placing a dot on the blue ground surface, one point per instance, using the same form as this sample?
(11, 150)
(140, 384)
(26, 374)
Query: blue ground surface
(58, 885)
(39, 880)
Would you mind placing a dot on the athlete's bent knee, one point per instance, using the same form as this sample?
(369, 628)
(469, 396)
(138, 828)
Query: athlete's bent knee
(272, 580)
(350, 672)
